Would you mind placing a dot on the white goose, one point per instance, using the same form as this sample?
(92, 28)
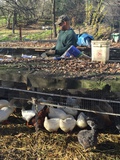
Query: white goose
(52, 124)
(68, 124)
(6, 111)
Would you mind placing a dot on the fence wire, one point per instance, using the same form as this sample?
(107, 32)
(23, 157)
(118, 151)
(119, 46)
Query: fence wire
(86, 104)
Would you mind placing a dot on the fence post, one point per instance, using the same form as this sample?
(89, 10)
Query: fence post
(20, 33)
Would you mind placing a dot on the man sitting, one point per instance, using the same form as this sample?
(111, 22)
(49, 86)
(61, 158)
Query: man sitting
(66, 37)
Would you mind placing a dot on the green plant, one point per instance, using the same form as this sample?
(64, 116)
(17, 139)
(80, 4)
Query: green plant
(2, 21)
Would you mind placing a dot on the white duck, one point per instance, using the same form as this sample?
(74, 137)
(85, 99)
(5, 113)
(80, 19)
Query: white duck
(36, 107)
(57, 113)
(4, 103)
(68, 124)
(72, 102)
(6, 111)
(81, 120)
(27, 115)
(52, 124)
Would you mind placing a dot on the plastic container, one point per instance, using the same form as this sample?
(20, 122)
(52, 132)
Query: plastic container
(115, 37)
(26, 56)
(72, 51)
(100, 50)
(84, 39)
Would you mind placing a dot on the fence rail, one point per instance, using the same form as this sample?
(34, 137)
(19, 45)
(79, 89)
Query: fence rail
(86, 108)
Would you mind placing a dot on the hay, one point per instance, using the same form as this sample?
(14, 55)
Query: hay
(19, 142)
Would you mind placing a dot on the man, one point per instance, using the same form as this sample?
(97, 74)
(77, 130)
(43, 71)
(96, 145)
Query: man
(66, 37)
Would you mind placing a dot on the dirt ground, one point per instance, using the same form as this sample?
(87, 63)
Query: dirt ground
(18, 142)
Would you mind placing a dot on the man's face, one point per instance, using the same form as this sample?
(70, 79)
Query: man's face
(62, 25)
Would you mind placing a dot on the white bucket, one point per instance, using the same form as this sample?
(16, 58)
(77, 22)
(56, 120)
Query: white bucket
(100, 50)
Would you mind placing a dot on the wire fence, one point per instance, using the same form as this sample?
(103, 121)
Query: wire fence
(86, 104)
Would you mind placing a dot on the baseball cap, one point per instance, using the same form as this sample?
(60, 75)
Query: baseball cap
(62, 18)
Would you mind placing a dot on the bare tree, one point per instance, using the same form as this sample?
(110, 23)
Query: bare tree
(113, 13)
(53, 18)
(25, 9)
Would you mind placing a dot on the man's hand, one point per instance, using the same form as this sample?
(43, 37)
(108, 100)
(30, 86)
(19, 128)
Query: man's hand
(50, 52)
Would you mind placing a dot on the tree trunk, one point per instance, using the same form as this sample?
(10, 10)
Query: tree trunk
(53, 18)
(14, 21)
(8, 21)
(73, 22)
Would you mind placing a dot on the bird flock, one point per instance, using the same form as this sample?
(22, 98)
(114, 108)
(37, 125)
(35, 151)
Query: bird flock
(66, 119)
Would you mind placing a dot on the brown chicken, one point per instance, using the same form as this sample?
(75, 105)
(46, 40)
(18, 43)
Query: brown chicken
(38, 120)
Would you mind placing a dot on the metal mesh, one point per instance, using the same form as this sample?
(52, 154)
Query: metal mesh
(102, 106)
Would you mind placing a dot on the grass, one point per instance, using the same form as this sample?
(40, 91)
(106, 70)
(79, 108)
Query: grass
(38, 35)
(28, 34)
(34, 32)
(2, 21)
(31, 32)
